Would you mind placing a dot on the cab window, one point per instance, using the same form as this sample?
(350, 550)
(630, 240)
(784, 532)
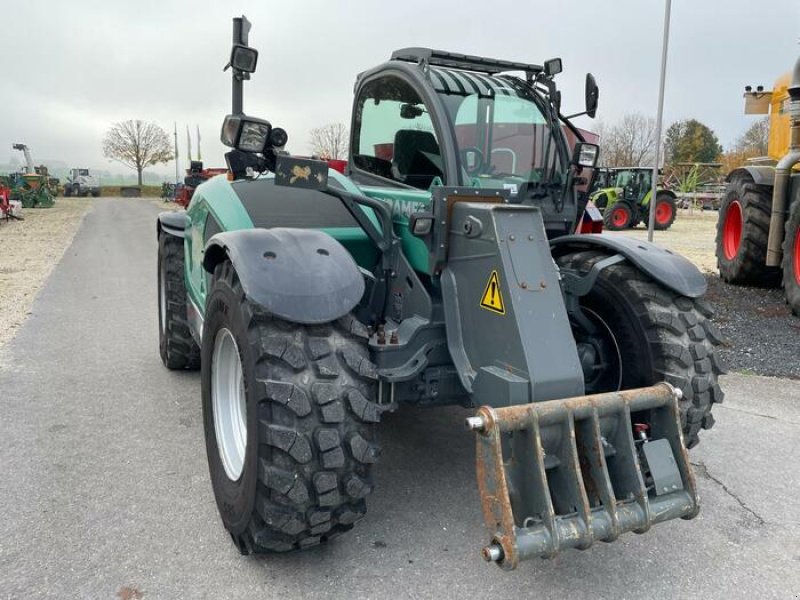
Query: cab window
(395, 137)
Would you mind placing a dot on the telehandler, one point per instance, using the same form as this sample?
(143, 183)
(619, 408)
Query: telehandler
(442, 268)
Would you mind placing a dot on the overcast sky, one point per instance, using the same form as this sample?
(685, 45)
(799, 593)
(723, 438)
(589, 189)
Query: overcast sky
(72, 68)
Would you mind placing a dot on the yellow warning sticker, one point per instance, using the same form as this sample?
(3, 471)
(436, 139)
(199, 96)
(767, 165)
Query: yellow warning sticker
(492, 299)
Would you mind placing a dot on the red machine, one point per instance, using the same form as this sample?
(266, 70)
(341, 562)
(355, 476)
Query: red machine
(195, 175)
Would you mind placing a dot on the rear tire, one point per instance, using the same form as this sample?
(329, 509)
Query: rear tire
(304, 468)
(742, 232)
(791, 257)
(666, 211)
(176, 344)
(619, 216)
(660, 336)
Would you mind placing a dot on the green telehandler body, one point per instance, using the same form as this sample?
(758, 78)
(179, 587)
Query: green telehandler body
(441, 268)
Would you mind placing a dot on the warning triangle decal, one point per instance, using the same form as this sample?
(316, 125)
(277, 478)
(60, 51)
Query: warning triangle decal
(492, 298)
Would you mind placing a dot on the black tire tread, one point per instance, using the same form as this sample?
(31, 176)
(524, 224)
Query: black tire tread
(748, 267)
(680, 335)
(178, 348)
(790, 284)
(316, 444)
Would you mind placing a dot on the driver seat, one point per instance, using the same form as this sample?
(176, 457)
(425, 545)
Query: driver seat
(417, 158)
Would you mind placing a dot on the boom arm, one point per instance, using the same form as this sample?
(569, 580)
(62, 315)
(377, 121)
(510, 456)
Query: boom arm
(28, 159)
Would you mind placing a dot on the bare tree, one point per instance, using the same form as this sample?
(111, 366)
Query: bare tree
(330, 141)
(137, 144)
(628, 143)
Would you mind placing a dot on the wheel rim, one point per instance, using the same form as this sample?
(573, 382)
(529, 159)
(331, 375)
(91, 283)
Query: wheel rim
(732, 230)
(613, 358)
(663, 212)
(162, 297)
(619, 217)
(229, 403)
(796, 257)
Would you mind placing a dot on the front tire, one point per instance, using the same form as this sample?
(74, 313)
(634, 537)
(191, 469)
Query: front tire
(302, 466)
(618, 216)
(742, 232)
(176, 344)
(658, 335)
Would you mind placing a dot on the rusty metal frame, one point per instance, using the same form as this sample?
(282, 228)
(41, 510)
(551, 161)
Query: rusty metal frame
(570, 472)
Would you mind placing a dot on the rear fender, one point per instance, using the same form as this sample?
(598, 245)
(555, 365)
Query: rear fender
(299, 275)
(670, 269)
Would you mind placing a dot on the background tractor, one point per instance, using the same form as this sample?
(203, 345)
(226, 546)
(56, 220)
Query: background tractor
(758, 232)
(81, 183)
(442, 268)
(625, 201)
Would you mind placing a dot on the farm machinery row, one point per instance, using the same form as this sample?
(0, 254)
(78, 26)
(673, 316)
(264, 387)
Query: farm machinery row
(444, 267)
(32, 188)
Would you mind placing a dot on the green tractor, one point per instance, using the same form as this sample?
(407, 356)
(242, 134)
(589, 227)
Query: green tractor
(625, 200)
(442, 268)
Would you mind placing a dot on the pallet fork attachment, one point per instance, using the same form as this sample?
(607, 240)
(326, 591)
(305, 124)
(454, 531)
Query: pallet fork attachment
(564, 473)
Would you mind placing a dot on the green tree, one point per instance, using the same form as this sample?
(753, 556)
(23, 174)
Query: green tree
(691, 141)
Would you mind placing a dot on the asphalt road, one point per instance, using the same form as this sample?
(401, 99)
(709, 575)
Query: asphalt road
(104, 489)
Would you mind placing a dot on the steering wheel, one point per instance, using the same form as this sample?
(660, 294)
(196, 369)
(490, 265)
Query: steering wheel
(477, 156)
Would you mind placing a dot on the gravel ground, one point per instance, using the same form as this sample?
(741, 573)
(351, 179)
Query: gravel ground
(29, 250)
(761, 335)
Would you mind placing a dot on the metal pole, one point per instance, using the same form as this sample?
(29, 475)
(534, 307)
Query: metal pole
(177, 178)
(664, 47)
(241, 30)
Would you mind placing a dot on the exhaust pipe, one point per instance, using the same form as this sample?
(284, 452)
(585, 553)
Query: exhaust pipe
(783, 171)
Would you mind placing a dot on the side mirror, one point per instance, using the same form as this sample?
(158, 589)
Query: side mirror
(553, 67)
(585, 155)
(592, 95)
(291, 171)
(243, 58)
(410, 111)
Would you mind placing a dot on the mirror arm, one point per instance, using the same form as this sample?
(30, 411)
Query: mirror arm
(568, 117)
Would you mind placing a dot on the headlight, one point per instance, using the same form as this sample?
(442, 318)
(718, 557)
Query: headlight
(585, 154)
(230, 130)
(254, 136)
(245, 133)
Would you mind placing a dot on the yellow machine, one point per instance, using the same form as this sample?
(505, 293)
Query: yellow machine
(758, 232)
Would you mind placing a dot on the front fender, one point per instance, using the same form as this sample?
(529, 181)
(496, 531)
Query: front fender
(670, 269)
(299, 275)
(173, 223)
(760, 174)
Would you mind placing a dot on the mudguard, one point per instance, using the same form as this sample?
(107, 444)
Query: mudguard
(300, 275)
(761, 174)
(173, 223)
(670, 269)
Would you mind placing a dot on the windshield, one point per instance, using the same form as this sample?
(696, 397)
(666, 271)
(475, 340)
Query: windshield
(504, 139)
